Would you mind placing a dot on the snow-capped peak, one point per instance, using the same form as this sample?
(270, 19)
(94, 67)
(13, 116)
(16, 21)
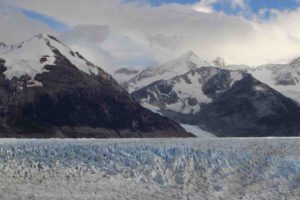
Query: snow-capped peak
(178, 66)
(189, 55)
(285, 78)
(30, 57)
(219, 62)
(295, 63)
(182, 64)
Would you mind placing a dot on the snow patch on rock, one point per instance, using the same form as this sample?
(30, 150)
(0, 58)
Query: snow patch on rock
(30, 57)
(176, 67)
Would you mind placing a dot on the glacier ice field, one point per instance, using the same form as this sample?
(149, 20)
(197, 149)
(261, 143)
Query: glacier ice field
(195, 168)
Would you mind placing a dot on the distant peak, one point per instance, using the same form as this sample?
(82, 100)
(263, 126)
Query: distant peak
(42, 36)
(219, 62)
(2, 44)
(46, 36)
(189, 54)
(295, 63)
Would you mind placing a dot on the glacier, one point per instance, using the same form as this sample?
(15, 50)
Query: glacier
(192, 168)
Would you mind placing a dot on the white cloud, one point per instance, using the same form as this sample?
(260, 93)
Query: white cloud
(204, 6)
(15, 26)
(156, 34)
(238, 4)
(201, 8)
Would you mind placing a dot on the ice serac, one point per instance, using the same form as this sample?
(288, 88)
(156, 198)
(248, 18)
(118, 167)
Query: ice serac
(169, 70)
(48, 90)
(223, 102)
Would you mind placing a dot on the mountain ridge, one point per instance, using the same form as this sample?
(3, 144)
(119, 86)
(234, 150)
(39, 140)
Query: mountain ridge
(56, 92)
(223, 102)
(177, 66)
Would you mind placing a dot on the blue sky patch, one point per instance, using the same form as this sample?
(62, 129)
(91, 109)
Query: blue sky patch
(51, 22)
(160, 2)
(225, 5)
(254, 6)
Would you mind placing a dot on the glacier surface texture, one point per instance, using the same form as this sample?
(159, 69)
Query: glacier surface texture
(203, 168)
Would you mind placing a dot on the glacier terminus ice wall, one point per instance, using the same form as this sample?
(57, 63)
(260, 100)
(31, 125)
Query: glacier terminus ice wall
(265, 168)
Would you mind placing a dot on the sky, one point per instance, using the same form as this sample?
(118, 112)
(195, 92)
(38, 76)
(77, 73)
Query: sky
(246, 8)
(49, 21)
(147, 33)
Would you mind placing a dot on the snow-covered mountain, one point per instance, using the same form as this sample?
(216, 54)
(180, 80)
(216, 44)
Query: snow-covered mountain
(223, 102)
(285, 78)
(185, 93)
(166, 71)
(48, 90)
(30, 58)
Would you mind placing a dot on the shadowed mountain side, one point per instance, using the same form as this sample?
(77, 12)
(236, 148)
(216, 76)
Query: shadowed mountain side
(71, 99)
(223, 102)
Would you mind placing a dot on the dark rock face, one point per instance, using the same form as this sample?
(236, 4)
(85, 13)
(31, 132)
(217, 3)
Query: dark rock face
(165, 96)
(245, 112)
(286, 80)
(74, 104)
(217, 84)
(244, 108)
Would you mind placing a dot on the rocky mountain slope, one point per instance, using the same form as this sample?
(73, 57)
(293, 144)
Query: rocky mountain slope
(48, 90)
(186, 93)
(284, 78)
(173, 68)
(223, 102)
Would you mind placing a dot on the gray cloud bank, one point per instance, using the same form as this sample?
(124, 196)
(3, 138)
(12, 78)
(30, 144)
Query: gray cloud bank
(115, 33)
